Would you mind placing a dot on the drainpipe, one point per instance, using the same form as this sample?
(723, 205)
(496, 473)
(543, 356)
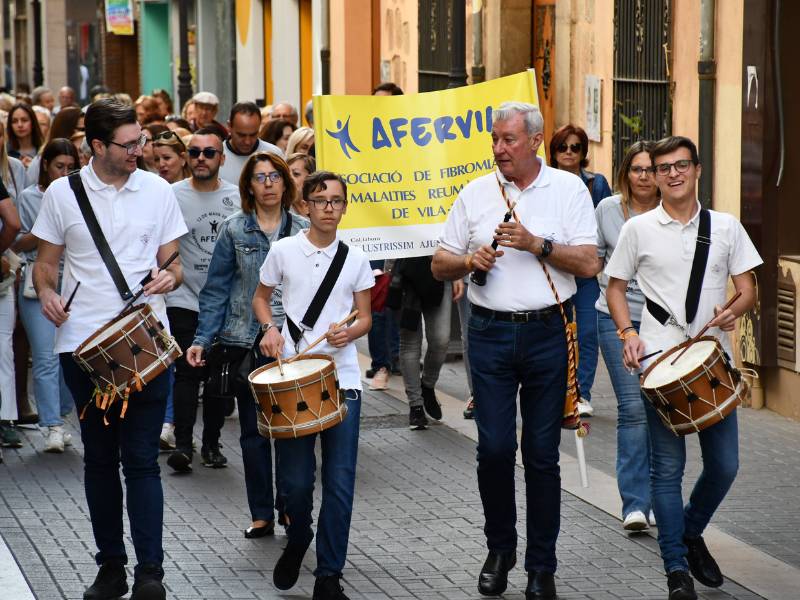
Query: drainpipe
(184, 72)
(478, 71)
(38, 70)
(707, 72)
(325, 47)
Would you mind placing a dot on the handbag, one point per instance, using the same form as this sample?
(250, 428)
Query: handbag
(9, 265)
(380, 291)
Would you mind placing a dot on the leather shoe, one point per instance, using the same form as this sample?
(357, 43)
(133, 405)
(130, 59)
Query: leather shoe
(541, 586)
(258, 532)
(287, 569)
(701, 563)
(493, 579)
(681, 586)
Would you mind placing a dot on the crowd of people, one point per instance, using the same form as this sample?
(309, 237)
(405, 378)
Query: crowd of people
(255, 227)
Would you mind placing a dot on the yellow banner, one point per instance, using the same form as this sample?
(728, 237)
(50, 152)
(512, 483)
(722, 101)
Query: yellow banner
(405, 158)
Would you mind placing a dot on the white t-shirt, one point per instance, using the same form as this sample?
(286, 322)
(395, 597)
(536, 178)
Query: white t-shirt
(658, 251)
(136, 221)
(556, 206)
(299, 266)
(234, 163)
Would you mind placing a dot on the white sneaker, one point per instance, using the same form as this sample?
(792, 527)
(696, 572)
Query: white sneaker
(167, 440)
(55, 439)
(380, 381)
(584, 408)
(652, 518)
(635, 521)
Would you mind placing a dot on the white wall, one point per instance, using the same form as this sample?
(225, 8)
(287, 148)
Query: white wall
(250, 54)
(286, 53)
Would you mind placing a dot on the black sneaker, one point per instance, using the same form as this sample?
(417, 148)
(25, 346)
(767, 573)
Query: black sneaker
(328, 588)
(287, 569)
(109, 583)
(432, 406)
(148, 585)
(702, 565)
(181, 461)
(213, 458)
(681, 586)
(417, 419)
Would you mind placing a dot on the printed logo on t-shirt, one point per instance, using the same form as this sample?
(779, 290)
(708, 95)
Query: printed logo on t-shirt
(227, 201)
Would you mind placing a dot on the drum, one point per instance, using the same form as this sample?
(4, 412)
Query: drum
(126, 354)
(699, 390)
(305, 399)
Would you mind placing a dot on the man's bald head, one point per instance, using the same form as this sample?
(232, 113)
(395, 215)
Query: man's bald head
(285, 111)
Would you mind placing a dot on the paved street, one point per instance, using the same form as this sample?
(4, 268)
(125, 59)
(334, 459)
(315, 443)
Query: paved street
(417, 525)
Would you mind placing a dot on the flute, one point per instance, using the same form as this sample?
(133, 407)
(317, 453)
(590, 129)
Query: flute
(478, 276)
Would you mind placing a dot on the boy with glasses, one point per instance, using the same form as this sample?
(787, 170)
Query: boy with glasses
(299, 264)
(205, 201)
(657, 249)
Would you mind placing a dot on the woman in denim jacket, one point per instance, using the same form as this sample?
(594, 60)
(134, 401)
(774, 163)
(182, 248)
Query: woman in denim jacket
(226, 317)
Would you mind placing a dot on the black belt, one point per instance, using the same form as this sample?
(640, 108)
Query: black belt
(523, 316)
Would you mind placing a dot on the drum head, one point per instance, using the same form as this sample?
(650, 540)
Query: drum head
(663, 372)
(291, 371)
(113, 328)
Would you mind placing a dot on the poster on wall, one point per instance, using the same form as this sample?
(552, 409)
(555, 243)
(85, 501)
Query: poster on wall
(592, 103)
(119, 17)
(406, 158)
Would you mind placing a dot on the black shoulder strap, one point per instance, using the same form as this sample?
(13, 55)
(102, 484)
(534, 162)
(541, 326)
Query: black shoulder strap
(699, 263)
(76, 184)
(322, 295)
(287, 228)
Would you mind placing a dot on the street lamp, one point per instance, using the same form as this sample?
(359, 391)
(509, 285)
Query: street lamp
(184, 72)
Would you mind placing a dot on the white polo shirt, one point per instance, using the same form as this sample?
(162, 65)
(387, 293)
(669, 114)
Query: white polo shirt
(658, 251)
(135, 220)
(556, 206)
(299, 266)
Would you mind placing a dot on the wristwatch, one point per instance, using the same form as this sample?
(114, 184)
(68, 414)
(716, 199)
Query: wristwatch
(547, 248)
(265, 327)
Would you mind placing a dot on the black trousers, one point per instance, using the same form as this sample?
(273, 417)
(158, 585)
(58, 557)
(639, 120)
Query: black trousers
(185, 393)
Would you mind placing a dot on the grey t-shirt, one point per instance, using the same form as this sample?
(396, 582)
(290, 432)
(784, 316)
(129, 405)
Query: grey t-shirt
(609, 223)
(18, 178)
(29, 202)
(203, 212)
(234, 162)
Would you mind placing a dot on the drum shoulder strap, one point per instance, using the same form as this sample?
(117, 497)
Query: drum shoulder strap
(699, 262)
(323, 293)
(76, 184)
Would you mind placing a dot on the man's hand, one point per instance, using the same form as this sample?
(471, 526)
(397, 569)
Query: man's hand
(162, 282)
(632, 349)
(484, 258)
(724, 319)
(271, 343)
(458, 290)
(338, 338)
(194, 356)
(53, 306)
(514, 235)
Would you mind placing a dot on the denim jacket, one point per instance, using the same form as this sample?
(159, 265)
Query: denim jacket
(226, 312)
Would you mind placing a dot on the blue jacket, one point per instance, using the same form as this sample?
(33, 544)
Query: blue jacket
(599, 189)
(226, 312)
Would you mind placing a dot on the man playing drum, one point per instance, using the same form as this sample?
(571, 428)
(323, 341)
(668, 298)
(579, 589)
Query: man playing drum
(300, 264)
(658, 249)
(517, 338)
(140, 219)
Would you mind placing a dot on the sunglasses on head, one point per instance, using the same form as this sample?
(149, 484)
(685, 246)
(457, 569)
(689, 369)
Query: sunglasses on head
(207, 152)
(576, 148)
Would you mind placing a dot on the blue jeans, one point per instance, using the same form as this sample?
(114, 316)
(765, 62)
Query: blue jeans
(586, 318)
(53, 399)
(384, 340)
(633, 441)
(133, 441)
(298, 465)
(169, 414)
(529, 359)
(256, 457)
(719, 445)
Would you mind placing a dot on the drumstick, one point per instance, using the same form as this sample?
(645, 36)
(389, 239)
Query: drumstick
(71, 296)
(478, 276)
(728, 304)
(147, 279)
(280, 364)
(651, 355)
(323, 336)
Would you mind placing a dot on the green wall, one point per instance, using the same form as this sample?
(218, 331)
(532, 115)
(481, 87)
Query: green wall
(156, 50)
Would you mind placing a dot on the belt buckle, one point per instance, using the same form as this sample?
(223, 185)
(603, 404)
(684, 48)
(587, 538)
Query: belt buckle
(520, 317)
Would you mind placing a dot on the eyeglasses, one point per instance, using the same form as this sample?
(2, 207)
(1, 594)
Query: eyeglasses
(207, 152)
(336, 203)
(639, 171)
(273, 176)
(131, 147)
(576, 148)
(681, 166)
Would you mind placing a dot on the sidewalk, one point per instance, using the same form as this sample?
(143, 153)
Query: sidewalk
(417, 524)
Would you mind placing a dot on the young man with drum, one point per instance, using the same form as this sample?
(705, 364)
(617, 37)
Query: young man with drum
(658, 249)
(139, 217)
(300, 264)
